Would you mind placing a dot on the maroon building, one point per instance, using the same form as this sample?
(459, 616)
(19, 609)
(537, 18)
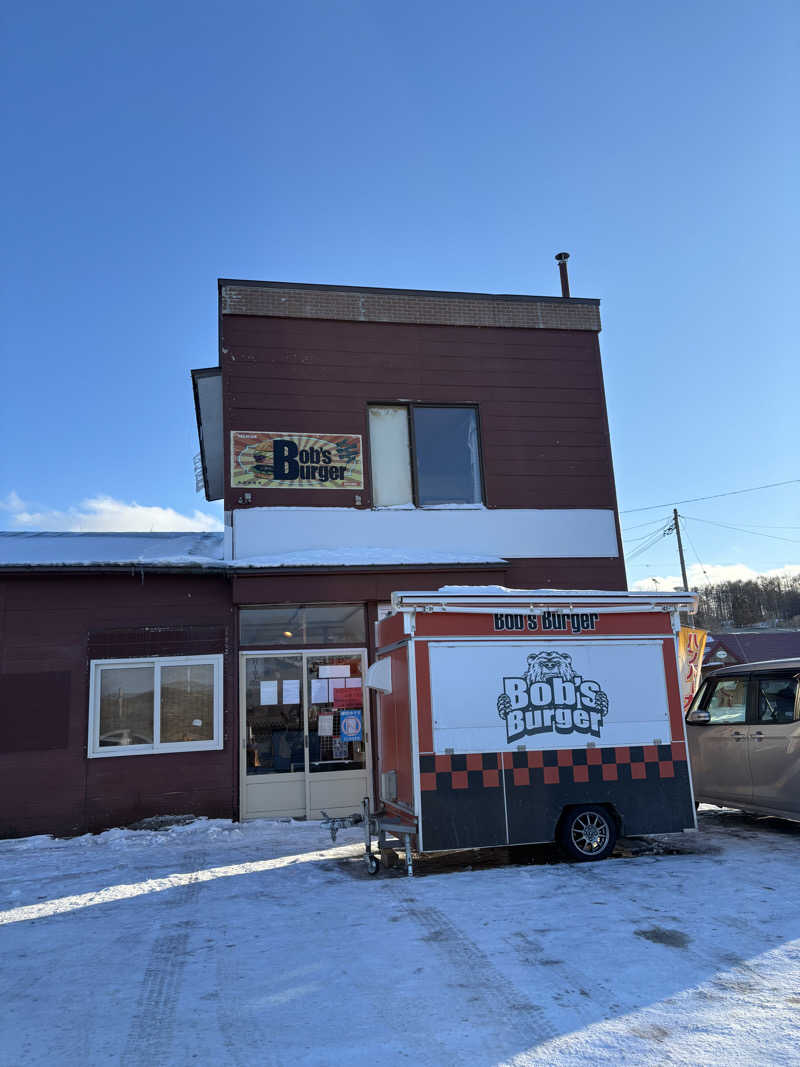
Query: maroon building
(363, 441)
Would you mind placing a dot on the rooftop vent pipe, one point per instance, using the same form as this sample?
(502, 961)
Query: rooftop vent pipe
(561, 260)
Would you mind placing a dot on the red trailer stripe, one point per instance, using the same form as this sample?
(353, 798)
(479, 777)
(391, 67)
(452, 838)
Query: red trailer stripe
(673, 691)
(423, 666)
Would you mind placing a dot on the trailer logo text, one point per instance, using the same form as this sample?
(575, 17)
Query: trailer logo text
(571, 622)
(549, 697)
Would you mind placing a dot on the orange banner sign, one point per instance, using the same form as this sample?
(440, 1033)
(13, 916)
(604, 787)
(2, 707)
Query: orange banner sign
(691, 645)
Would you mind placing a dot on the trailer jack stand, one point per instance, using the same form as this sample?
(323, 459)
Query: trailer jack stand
(409, 861)
(375, 825)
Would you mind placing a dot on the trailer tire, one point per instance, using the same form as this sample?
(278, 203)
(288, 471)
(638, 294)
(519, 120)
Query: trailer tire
(373, 864)
(587, 833)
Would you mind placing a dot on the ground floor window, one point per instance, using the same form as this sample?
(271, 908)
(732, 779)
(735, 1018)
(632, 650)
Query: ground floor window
(303, 624)
(170, 704)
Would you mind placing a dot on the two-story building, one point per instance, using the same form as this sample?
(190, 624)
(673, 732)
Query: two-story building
(368, 440)
(363, 441)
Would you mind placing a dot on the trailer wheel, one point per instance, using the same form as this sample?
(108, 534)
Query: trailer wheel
(373, 864)
(588, 833)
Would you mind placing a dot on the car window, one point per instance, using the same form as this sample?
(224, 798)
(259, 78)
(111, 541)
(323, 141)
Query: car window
(776, 700)
(728, 703)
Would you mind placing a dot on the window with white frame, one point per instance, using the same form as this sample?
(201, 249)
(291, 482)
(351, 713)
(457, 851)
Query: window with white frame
(140, 706)
(424, 455)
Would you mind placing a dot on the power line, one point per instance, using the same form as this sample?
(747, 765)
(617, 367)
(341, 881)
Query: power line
(650, 522)
(741, 529)
(765, 526)
(650, 541)
(633, 540)
(713, 496)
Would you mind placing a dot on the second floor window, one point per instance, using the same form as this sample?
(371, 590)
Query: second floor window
(424, 455)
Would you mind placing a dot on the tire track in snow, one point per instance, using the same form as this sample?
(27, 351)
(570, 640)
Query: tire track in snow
(494, 1000)
(152, 1027)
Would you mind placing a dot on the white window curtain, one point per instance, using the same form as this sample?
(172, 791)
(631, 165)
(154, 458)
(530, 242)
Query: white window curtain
(390, 452)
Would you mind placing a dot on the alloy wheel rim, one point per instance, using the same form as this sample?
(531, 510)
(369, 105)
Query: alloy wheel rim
(590, 833)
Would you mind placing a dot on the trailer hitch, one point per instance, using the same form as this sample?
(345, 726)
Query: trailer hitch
(375, 825)
(335, 825)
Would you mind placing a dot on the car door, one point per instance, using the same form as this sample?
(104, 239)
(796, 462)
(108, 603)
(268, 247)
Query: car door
(717, 733)
(774, 742)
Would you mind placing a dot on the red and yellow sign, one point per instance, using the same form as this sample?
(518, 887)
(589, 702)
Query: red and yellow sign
(296, 461)
(691, 645)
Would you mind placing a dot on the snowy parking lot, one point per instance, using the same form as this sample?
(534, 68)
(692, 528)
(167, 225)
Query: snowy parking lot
(260, 943)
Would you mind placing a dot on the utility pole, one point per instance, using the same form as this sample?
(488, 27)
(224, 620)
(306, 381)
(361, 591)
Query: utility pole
(680, 548)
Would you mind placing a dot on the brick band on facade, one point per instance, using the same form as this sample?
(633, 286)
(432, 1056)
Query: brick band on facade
(409, 306)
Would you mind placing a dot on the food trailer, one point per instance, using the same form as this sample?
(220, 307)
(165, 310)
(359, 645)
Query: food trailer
(510, 717)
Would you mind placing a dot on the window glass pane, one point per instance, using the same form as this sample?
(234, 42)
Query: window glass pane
(187, 703)
(274, 714)
(446, 455)
(298, 624)
(391, 457)
(776, 700)
(126, 705)
(728, 702)
(335, 708)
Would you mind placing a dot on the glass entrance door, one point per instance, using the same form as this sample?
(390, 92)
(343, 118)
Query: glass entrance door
(337, 781)
(305, 739)
(274, 735)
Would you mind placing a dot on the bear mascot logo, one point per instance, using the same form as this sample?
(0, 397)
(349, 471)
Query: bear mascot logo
(551, 696)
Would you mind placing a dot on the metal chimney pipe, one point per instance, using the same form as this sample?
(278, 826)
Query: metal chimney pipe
(561, 260)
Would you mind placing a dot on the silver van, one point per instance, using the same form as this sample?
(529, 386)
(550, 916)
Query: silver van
(743, 730)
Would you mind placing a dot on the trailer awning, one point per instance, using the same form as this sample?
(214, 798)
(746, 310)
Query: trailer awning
(490, 598)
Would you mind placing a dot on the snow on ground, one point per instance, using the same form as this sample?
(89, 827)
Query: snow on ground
(223, 943)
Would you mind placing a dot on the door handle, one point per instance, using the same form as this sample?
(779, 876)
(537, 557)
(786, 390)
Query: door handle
(738, 735)
(758, 735)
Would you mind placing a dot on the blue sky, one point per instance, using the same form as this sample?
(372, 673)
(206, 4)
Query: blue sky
(152, 148)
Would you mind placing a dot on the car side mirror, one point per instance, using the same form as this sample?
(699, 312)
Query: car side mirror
(699, 718)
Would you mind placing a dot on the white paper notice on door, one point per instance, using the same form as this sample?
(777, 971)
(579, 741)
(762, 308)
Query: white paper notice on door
(320, 693)
(353, 683)
(325, 725)
(335, 670)
(291, 690)
(269, 692)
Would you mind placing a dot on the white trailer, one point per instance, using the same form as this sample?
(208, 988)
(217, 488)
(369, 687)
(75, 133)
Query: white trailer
(518, 716)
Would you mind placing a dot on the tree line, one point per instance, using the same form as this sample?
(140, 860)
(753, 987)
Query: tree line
(774, 601)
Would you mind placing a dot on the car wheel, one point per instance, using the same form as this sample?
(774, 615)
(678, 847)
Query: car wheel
(588, 833)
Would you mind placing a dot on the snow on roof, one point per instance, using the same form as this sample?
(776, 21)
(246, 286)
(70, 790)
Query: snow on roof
(199, 550)
(93, 549)
(358, 556)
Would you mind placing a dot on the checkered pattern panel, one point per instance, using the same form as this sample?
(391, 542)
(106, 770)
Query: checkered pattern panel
(557, 767)
(479, 770)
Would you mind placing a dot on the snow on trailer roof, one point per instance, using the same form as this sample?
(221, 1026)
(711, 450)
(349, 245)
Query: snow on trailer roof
(485, 596)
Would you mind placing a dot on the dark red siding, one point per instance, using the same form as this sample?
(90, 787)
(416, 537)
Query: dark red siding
(544, 432)
(51, 626)
(353, 585)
